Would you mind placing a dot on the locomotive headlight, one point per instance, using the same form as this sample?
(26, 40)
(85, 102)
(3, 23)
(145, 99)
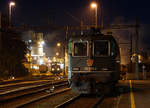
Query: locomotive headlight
(58, 69)
(86, 68)
(53, 69)
(92, 68)
(75, 68)
(117, 61)
(105, 69)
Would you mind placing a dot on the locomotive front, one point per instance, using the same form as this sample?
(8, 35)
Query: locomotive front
(94, 62)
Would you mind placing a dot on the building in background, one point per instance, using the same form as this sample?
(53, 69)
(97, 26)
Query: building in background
(37, 52)
(36, 55)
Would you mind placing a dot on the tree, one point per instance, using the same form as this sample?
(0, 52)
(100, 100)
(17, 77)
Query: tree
(12, 54)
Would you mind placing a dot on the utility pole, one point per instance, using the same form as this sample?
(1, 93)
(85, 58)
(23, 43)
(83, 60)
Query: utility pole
(137, 50)
(101, 14)
(130, 53)
(81, 24)
(65, 51)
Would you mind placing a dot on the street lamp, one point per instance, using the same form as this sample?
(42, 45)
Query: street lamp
(94, 6)
(11, 4)
(58, 44)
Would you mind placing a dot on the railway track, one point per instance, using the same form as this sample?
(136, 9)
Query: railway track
(26, 95)
(82, 101)
(42, 97)
(8, 86)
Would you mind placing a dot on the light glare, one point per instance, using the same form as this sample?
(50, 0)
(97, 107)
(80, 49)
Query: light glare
(57, 54)
(42, 42)
(12, 3)
(58, 44)
(94, 5)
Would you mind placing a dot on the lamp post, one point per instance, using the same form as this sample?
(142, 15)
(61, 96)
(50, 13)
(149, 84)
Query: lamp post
(11, 4)
(94, 6)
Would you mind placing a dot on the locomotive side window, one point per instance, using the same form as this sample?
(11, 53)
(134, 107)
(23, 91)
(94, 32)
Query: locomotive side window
(101, 48)
(80, 49)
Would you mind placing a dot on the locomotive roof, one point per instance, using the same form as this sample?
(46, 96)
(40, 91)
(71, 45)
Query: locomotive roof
(92, 37)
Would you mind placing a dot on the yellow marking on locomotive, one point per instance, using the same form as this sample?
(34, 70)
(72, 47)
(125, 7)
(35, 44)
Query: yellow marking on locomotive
(131, 95)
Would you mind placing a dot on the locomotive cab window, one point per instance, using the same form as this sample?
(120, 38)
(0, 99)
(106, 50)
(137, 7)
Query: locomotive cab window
(113, 51)
(101, 48)
(80, 49)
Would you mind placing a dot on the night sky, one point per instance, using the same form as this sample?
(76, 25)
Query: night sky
(43, 12)
(37, 12)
